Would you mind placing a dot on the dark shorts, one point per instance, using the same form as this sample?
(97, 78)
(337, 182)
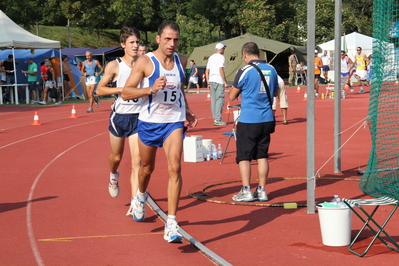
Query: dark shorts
(32, 85)
(154, 134)
(326, 68)
(123, 125)
(317, 76)
(66, 77)
(253, 141)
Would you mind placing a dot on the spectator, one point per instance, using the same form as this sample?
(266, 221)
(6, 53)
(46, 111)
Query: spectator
(193, 76)
(66, 68)
(50, 81)
(217, 83)
(256, 121)
(318, 65)
(10, 76)
(32, 77)
(292, 62)
(282, 98)
(326, 65)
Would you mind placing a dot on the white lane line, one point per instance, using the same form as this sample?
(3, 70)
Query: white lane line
(31, 236)
(49, 132)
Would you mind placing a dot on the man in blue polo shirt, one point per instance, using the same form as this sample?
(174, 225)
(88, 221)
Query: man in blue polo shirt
(256, 121)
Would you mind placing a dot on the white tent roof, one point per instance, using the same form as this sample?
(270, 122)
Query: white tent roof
(13, 36)
(353, 40)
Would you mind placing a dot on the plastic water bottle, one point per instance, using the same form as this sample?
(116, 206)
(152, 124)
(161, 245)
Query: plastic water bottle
(335, 200)
(214, 152)
(220, 151)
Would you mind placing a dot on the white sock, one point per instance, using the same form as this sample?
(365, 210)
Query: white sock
(131, 202)
(171, 219)
(113, 177)
(361, 88)
(140, 196)
(260, 188)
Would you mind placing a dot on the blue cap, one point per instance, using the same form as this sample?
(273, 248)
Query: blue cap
(27, 59)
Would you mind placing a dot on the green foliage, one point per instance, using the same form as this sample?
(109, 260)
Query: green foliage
(282, 20)
(194, 32)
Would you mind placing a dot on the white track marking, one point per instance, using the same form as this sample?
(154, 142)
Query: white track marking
(49, 132)
(31, 236)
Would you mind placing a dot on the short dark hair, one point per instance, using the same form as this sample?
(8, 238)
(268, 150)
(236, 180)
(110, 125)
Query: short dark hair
(168, 23)
(250, 48)
(10, 56)
(64, 56)
(193, 61)
(126, 32)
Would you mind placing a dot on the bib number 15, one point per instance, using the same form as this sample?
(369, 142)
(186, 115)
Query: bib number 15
(169, 96)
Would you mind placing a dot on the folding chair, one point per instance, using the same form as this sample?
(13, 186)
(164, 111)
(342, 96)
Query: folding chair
(367, 219)
(233, 131)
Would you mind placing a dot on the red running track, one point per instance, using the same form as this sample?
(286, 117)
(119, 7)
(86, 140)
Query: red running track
(55, 208)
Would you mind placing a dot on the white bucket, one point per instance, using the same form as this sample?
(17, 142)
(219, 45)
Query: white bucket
(206, 146)
(236, 114)
(336, 226)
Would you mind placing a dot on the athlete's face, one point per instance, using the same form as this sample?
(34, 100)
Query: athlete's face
(359, 51)
(131, 46)
(89, 57)
(142, 50)
(168, 41)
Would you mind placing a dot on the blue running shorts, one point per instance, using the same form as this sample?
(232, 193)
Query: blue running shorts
(154, 134)
(123, 125)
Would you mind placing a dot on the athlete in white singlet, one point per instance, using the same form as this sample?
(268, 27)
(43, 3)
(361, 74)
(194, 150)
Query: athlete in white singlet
(124, 115)
(161, 120)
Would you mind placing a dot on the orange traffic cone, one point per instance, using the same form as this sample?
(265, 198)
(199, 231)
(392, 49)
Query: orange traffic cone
(36, 121)
(208, 97)
(73, 113)
(305, 97)
(298, 89)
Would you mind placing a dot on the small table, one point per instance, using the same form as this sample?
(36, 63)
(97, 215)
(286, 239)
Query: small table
(14, 93)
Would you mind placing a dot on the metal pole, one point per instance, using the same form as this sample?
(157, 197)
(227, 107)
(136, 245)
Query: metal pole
(69, 35)
(310, 142)
(337, 87)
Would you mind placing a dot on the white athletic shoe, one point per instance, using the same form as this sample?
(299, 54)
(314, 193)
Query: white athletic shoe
(113, 186)
(171, 235)
(139, 208)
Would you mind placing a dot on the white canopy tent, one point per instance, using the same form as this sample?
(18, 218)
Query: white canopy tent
(13, 37)
(353, 40)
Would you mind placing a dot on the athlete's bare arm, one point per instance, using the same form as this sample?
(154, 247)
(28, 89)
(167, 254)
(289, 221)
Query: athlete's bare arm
(142, 68)
(111, 71)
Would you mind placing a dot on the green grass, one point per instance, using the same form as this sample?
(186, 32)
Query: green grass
(84, 38)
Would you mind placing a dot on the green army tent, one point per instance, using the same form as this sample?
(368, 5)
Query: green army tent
(276, 53)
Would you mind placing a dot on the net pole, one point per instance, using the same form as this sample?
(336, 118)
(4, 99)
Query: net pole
(337, 87)
(310, 136)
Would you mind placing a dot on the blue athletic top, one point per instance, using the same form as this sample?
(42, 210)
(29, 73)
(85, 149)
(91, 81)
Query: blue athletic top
(255, 106)
(90, 69)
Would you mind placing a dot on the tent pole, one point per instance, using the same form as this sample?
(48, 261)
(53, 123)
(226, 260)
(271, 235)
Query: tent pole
(15, 78)
(62, 77)
(272, 59)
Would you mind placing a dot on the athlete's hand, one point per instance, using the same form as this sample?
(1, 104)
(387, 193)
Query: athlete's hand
(191, 119)
(159, 84)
